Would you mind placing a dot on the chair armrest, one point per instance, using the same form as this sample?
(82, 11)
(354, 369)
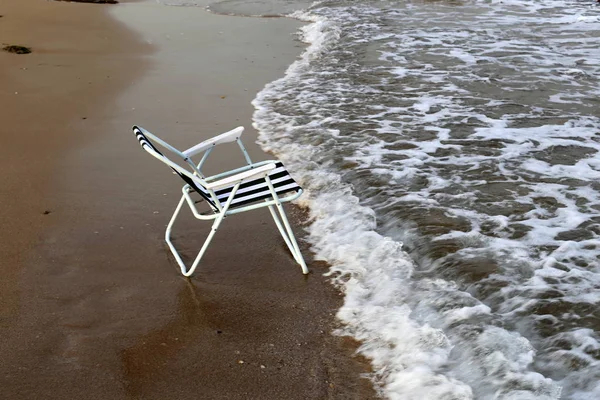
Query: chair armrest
(226, 137)
(241, 177)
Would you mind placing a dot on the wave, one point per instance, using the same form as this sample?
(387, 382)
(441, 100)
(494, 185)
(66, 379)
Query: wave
(425, 337)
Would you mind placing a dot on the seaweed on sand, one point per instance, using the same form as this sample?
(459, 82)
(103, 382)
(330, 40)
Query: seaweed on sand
(17, 49)
(93, 1)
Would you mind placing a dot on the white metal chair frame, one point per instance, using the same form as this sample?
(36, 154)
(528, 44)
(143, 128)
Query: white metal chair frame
(206, 187)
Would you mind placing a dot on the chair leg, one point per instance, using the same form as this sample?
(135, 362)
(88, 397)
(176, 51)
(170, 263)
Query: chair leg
(213, 230)
(287, 234)
(184, 270)
(168, 235)
(282, 231)
(296, 253)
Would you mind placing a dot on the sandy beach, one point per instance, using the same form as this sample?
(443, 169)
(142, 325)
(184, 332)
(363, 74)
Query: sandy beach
(92, 305)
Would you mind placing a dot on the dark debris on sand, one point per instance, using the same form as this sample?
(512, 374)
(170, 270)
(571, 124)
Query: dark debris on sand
(16, 49)
(92, 1)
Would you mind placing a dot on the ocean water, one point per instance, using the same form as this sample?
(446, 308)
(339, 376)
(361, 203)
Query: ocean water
(449, 150)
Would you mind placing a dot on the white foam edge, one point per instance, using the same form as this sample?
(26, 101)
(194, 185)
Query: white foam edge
(342, 233)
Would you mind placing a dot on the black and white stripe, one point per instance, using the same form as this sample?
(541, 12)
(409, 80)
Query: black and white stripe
(148, 146)
(144, 141)
(256, 189)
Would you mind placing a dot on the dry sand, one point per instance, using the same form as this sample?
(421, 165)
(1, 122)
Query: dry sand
(92, 305)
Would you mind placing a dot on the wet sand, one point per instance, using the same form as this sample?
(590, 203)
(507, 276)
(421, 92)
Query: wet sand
(92, 303)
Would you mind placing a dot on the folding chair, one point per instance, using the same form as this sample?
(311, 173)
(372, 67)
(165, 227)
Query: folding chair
(250, 187)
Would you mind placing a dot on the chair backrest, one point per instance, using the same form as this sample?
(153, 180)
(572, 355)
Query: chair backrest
(188, 177)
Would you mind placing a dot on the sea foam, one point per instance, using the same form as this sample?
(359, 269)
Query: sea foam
(426, 337)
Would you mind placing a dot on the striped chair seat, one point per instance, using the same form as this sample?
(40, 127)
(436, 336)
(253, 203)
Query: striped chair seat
(254, 190)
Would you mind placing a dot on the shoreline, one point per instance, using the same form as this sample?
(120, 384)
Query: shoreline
(107, 313)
